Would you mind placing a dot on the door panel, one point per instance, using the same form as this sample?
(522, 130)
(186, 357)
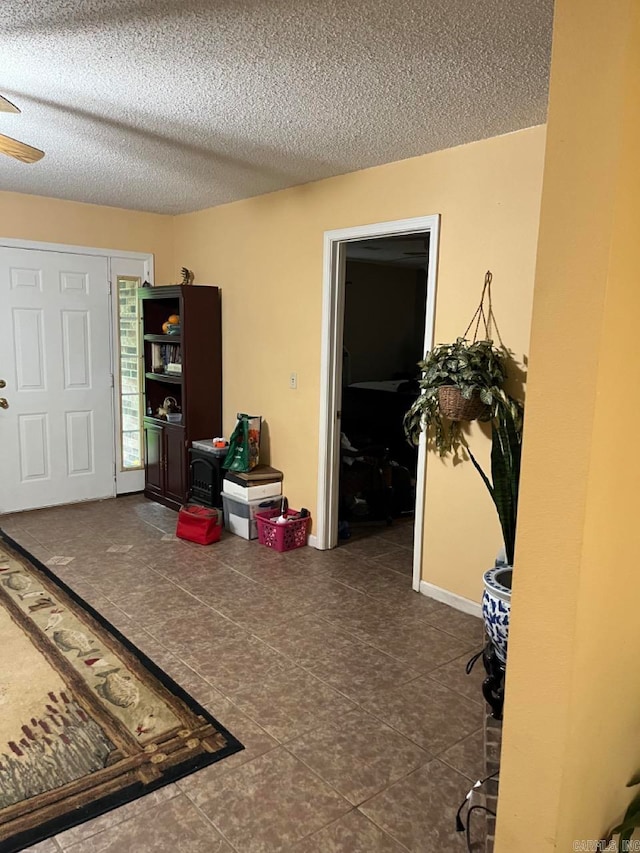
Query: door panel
(29, 349)
(154, 455)
(174, 486)
(75, 349)
(25, 278)
(55, 356)
(80, 454)
(33, 440)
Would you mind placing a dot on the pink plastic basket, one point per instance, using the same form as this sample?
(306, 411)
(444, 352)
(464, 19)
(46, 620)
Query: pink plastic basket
(282, 537)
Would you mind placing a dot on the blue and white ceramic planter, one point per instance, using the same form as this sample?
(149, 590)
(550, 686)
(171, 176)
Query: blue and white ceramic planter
(496, 607)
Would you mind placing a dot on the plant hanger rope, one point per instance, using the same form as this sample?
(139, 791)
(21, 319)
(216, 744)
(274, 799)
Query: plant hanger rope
(463, 381)
(485, 316)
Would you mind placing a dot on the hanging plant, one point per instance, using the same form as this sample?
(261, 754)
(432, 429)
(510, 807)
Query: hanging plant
(462, 381)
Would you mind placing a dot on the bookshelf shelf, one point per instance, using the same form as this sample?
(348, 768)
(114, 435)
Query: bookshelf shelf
(164, 339)
(174, 379)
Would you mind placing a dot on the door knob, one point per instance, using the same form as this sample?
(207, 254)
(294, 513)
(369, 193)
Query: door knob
(4, 404)
(3, 384)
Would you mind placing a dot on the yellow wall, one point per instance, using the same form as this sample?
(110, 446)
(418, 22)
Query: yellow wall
(266, 254)
(571, 738)
(51, 220)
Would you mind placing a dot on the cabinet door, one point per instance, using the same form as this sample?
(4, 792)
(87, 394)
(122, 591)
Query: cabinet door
(154, 458)
(175, 464)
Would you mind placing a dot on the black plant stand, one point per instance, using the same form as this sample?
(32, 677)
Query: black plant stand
(493, 685)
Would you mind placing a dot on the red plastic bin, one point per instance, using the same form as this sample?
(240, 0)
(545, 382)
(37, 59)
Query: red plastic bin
(199, 524)
(282, 537)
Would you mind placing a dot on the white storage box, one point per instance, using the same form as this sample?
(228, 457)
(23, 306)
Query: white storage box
(240, 516)
(252, 493)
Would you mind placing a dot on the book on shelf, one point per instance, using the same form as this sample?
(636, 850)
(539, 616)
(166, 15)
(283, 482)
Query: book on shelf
(166, 358)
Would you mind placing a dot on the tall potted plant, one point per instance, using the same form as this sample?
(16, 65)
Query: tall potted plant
(506, 451)
(476, 372)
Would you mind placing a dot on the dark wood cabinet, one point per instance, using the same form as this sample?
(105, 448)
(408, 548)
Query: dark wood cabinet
(165, 449)
(175, 467)
(154, 457)
(196, 390)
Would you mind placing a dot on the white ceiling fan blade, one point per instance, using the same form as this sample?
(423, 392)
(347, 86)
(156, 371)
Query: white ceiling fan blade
(19, 150)
(7, 107)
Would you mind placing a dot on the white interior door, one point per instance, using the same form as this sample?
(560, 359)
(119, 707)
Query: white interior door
(57, 434)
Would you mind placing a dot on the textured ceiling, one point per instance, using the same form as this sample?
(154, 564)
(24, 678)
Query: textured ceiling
(175, 106)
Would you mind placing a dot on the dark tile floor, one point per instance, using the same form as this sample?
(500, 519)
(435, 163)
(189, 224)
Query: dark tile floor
(348, 690)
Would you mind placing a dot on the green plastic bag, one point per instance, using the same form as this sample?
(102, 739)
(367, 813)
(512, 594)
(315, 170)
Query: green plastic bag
(244, 444)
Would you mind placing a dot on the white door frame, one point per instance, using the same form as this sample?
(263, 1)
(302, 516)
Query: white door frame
(110, 255)
(331, 372)
(128, 480)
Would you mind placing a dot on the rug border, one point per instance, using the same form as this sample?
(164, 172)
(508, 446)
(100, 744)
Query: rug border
(132, 792)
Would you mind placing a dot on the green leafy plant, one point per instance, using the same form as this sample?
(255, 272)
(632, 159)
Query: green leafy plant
(476, 368)
(506, 453)
(631, 820)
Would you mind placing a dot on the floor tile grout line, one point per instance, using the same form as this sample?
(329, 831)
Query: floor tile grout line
(379, 826)
(382, 829)
(352, 638)
(397, 781)
(457, 769)
(210, 821)
(313, 773)
(388, 654)
(479, 701)
(366, 817)
(429, 757)
(133, 816)
(358, 705)
(395, 729)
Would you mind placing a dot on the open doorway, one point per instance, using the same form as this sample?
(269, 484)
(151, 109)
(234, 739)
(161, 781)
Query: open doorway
(379, 301)
(383, 341)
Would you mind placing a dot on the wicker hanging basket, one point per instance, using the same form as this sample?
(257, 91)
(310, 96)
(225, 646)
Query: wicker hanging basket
(457, 408)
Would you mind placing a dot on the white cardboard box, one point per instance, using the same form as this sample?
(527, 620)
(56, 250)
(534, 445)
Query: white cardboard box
(251, 493)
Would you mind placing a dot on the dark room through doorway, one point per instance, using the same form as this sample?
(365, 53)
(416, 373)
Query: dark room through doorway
(383, 341)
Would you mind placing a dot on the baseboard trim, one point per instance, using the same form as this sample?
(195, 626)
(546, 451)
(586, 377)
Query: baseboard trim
(451, 598)
(312, 541)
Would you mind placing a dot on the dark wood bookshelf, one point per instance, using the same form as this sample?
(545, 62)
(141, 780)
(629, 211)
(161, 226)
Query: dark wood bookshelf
(197, 391)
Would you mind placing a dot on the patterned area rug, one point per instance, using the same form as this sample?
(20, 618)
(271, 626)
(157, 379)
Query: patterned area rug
(87, 722)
